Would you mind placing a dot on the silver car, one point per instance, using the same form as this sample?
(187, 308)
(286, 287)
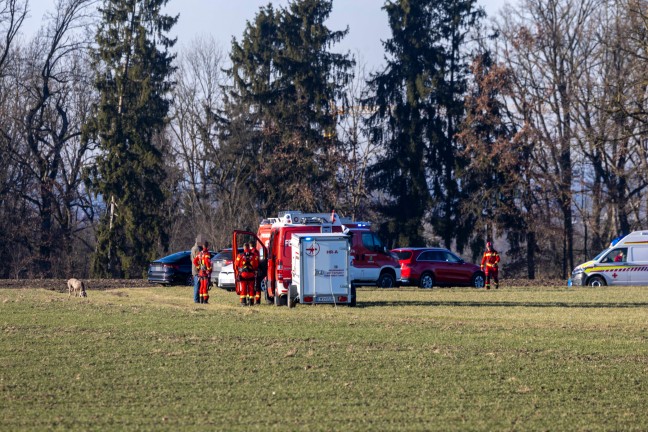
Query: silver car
(226, 278)
(220, 260)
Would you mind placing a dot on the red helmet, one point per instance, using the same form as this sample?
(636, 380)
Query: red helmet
(489, 245)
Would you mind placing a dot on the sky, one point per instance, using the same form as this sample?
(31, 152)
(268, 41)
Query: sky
(224, 19)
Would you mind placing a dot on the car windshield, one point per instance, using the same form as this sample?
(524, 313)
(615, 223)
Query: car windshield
(602, 253)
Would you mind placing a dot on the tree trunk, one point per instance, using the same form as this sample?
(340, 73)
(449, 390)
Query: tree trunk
(531, 247)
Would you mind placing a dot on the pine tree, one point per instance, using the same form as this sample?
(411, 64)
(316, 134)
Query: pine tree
(419, 103)
(290, 83)
(133, 67)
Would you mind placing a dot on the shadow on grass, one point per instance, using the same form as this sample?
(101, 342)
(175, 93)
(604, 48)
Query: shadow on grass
(370, 304)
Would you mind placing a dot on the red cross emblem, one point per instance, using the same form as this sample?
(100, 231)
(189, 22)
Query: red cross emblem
(313, 250)
(614, 275)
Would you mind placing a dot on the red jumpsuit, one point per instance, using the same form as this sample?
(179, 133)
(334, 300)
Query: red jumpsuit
(489, 263)
(247, 264)
(204, 266)
(257, 287)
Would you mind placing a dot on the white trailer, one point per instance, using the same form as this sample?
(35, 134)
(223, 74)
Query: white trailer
(320, 269)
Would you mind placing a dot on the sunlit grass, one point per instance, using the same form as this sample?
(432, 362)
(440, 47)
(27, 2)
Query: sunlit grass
(404, 359)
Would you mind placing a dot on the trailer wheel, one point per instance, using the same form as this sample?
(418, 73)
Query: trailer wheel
(268, 298)
(264, 287)
(292, 296)
(280, 300)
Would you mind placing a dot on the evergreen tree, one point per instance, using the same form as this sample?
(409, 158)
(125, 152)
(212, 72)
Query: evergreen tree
(132, 65)
(497, 184)
(419, 104)
(289, 83)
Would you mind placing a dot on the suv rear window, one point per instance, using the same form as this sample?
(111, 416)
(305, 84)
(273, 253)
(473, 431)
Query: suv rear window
(404, 255)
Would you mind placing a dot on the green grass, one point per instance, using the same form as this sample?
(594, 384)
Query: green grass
(404, 359)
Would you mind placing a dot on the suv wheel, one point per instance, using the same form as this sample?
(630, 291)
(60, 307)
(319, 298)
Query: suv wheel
(478, 280)
(190, 280)
(427, 281)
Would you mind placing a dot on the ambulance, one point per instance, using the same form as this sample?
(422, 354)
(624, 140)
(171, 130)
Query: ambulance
(625, 263)
(372, 263)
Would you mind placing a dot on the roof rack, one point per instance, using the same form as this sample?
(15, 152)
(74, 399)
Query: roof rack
(300, 218)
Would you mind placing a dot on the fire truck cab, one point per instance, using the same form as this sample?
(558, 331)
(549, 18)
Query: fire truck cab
(371, 262)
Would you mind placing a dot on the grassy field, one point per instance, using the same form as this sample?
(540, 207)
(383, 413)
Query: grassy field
(404, 359)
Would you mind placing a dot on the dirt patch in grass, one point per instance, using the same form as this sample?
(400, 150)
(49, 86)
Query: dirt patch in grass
(61, 284)
(106, 284)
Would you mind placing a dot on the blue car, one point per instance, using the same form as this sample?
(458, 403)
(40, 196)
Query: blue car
(174, 269)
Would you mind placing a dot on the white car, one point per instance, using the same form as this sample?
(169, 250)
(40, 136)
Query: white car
(226, 278)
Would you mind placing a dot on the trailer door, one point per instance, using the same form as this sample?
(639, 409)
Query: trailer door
(324, 269)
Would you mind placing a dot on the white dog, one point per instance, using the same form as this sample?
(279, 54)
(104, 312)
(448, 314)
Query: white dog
(77, 287)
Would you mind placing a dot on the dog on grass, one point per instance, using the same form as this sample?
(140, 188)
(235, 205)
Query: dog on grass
(76, 287)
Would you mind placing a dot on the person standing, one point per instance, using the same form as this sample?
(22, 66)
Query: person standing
(195, 250)
(257, 285)
(246, 265)
(204, 266)
(489, 265)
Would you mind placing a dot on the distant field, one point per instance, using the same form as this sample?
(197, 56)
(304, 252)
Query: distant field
(520, 358)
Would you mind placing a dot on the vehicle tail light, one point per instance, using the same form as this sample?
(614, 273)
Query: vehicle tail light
(343, 299)
(173, 266)
(227, 262)
(308, 299)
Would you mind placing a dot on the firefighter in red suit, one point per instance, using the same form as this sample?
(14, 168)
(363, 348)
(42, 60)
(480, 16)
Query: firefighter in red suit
(202, 262)
(257, 286)
(489, 265)
(246, 264)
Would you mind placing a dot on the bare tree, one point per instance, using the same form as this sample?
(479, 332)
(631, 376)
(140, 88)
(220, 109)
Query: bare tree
(357, 151)
(12, 16)
(207, 176)
(613, 170)
(45, 128)
(546, 44)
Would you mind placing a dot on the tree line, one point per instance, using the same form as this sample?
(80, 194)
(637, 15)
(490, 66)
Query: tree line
(119, 145)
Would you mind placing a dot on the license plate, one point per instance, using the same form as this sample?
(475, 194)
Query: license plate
(327, 299)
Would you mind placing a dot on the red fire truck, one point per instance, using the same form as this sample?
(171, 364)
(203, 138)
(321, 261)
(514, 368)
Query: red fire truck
(372, 263)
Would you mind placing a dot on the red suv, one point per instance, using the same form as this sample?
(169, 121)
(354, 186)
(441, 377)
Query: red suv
(427, 267)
